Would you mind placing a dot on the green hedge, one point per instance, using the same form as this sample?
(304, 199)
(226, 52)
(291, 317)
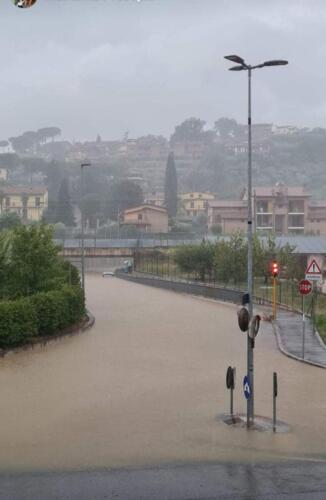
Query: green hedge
(18, 322)
(39, 315)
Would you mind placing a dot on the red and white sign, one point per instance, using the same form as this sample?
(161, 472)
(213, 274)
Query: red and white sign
(305, 287)
(313, 271)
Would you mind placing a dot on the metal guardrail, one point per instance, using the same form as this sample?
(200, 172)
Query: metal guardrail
(125, 243)
(208, 291)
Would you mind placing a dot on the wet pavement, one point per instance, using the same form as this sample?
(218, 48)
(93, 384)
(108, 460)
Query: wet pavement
(269, 481)
(291, 340)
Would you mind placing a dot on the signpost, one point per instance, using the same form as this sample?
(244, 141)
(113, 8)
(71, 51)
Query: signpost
(275, 391)
(230, 384)
(305, 287)
(313, 273)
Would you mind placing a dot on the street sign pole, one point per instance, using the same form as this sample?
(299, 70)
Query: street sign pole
(274, 400)
(274, 298)
(305, 288)
(303, 328)
(250, 350)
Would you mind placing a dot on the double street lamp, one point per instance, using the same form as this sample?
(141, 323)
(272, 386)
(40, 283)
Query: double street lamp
(243, 66)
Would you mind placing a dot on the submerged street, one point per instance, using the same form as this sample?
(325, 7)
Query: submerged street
(144, 387)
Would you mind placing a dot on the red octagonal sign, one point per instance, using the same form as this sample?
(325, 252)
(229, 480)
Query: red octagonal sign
(305, 287)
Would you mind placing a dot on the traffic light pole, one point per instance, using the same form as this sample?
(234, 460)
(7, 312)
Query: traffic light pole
(250, 350)
(274, 297)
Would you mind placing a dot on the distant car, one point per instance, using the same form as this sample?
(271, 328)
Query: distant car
(107, 273)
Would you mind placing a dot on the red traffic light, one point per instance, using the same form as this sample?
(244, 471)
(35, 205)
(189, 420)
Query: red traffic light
(274, 269)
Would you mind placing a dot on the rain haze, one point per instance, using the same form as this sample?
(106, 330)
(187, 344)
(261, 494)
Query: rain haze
(107, 66)
(162, 249)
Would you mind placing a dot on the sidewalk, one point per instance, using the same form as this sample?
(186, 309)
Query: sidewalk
(288, 329)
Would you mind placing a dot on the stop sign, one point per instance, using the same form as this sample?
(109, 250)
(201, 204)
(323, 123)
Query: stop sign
(305, 287)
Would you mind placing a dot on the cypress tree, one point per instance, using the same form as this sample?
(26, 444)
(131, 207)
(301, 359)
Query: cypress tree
(64, 211)
(171, 187)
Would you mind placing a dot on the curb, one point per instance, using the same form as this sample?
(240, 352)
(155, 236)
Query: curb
(287, 353)
(90, 321)
(42, 341)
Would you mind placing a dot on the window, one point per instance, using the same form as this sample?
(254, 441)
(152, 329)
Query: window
(200, 196)
(296, 206)
(296, 220)
(7, 201)
(37, 201)
(262, 206)
(140, 216)
(192, 205)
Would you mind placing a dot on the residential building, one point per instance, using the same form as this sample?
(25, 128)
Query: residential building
(155, 198)
(285, 130)
(28, 202)
(281, 210)
(147, 218)
(189, 149)
(196, 203)
(317, 217)
(230, 215)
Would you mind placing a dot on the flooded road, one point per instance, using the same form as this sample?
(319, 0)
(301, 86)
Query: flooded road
(144, 386)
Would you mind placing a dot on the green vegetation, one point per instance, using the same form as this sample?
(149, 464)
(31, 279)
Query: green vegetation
(321, 316)
(226, 260)
(40, 292)
(171, 187)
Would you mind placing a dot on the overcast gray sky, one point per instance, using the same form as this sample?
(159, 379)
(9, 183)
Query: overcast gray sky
(108, 66)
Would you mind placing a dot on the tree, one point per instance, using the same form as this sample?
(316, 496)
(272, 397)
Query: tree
(34, 265)
(48, 133)
(123, 195)
(9, 220)
(64, 210)
(91, 206)
(190, 130)
(197, 259)
(171, 187)
(225, 127)
(231, 259)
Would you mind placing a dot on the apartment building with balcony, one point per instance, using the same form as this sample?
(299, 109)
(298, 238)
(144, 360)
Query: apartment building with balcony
(280, 209)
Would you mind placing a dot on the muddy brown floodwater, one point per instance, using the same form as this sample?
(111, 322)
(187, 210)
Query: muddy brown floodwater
(145, 384)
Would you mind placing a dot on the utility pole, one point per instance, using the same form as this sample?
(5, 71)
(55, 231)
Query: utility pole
(243, 66)
(82, 165)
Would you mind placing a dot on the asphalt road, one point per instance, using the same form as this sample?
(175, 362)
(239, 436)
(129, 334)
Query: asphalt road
(269, 481)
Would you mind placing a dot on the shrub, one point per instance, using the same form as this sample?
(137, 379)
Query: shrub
(58, 309)
(18, 322)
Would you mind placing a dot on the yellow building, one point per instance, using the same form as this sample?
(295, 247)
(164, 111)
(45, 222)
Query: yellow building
(196, 203)
(28, 202)
(147, 218)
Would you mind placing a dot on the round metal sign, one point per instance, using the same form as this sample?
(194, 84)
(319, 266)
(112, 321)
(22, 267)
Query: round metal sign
(243, 319)
(305, 287)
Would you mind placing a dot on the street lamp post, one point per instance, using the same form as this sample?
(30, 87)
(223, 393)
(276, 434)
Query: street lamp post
(82, 165)
(242, 66)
